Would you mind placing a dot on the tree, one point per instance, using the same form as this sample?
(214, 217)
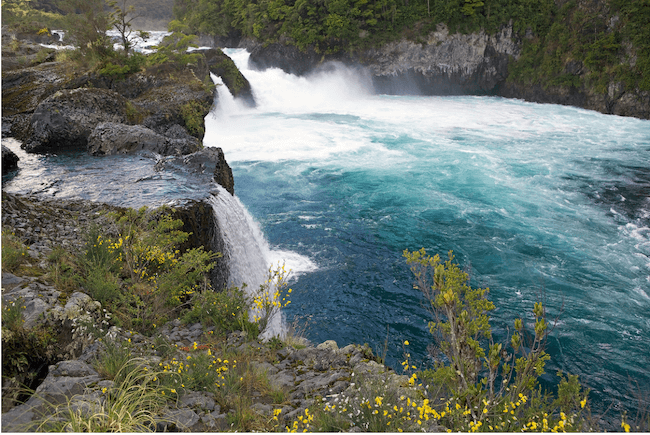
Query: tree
(122, 17)
(87, 23)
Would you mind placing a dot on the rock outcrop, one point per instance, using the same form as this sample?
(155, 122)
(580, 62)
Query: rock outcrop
(452, 64)
(288, 57)
(66, 119)
(617, 101)
(444, 64)
(50, 106)
(224, 67)
(110, 138)
(207, 161)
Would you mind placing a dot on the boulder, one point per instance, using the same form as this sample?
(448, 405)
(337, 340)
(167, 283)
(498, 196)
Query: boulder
(207, 160)
(66, 119)
(9, 160)
(110, 138)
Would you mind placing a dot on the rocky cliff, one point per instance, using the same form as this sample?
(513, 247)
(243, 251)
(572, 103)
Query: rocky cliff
(446, 63)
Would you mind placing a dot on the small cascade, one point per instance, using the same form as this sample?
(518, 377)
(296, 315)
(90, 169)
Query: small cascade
(226, 103)
(247, 251)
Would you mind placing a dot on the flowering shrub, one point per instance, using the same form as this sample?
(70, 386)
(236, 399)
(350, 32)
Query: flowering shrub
(469, 371)
(140, 270)
(227, 311)
(272, 296)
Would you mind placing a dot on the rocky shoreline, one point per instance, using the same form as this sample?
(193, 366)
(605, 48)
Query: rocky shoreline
(309, 375)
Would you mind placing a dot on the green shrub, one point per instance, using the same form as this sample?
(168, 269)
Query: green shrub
(490, 385)
(14, 253)
(272, 296)
(115, 361)
(227, 311)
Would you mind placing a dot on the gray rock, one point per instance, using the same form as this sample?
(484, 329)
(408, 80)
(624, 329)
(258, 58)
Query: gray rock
(10, 280)
(265, 366)
(262, 408)
(208, 160)
(19, 419)
(67, 118)
(179, 419)
(329, 345)
(72, 368)
(33, 311)
(197, 400)
(109, 138)
(283, 379)
(215, 421)
(9, 160)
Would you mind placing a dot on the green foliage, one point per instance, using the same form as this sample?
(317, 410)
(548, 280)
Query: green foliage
(23, 349)
(62, 269)
(193, 113)
(12, 314)
(331, 26)
(140, 274)
(174, 50)
(115, 361)
(86, 25)
(121, 18)
(132, 405)
(14, 253)
(491, 385)
(20, 15)
(133, 115)
(585, 47)
(227, 311)
(271, 297)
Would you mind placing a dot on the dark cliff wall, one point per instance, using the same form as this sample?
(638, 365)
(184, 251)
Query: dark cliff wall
(199, 220)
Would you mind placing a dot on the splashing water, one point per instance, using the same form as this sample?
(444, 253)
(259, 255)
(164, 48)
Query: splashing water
(535, 198)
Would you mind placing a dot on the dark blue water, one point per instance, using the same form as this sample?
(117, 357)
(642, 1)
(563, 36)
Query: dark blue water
(535, 200)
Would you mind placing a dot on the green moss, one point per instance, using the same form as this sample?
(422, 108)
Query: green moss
(193, 113)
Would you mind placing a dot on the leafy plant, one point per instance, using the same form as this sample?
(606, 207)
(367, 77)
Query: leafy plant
(227, 311)
(130, 406)
(488, 383)
(115, 360)
(193, 113)
(271, 297)
(14, 253)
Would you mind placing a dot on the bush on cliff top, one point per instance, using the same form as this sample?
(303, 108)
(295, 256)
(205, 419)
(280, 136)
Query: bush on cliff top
(140, 273)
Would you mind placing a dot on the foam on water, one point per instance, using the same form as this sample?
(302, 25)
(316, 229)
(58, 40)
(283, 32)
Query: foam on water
(533, 197)
(249, 255)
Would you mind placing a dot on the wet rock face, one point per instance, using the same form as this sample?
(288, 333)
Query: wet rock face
(446, 64)
(206, 161)
(617, 100)
(199, 220)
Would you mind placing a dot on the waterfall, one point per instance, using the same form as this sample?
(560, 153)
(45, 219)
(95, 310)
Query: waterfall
(247, 252)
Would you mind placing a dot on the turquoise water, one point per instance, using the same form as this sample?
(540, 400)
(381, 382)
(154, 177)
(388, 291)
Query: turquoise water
(533, 200)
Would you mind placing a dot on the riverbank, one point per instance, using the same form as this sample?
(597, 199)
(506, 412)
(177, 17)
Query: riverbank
(211, 379)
